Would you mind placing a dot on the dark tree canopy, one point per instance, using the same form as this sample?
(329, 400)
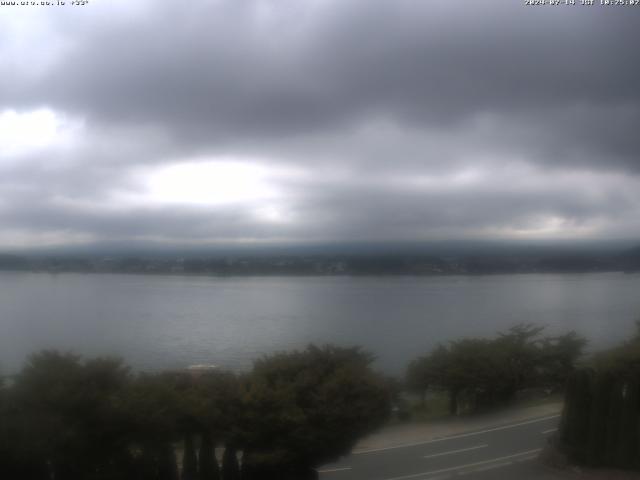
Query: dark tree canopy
(309, 407)
(600, 425)
(488, 372)
(75, 419)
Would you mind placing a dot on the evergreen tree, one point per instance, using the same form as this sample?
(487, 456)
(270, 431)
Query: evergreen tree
(306, 408)
(576, 418)
(628, 441)
(602, 396)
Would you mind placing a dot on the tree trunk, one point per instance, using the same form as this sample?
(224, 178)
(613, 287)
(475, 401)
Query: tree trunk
(207, 463)
(166, 463)
(230, 467)
(189, 460)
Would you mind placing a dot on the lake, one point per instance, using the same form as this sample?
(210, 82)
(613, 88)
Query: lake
(174, 321)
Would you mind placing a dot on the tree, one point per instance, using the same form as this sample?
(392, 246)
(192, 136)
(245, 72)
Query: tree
(67, 415)
(574, 429)
(489, 372)
(559, 358)
(230, 466)
(601, 415)
(211, 404)
(309, 407)
(165, 462)
(428, 372)
(207, 464)
(522, 355)
(624, 359)
(189, 460)
(154, 410)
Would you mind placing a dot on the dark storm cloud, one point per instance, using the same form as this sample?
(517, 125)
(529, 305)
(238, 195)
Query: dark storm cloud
(152, 223)
(365, 95)
(237, 72)
(509, 204)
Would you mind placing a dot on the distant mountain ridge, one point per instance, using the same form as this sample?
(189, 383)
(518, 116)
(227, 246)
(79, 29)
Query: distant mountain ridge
(393, 261)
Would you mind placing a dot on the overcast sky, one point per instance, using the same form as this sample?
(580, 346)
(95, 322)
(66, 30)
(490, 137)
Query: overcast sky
(266, 121)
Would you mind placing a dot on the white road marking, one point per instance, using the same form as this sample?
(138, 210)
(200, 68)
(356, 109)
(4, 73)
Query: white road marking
(454, 437)
(468, 465)
(526, 459)
(551, 430)
(485, 468)
(451, 452)
(331, 470)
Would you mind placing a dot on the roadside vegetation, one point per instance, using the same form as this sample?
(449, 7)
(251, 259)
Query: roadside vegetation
(476, 374)
(63, 417)
(601, 421)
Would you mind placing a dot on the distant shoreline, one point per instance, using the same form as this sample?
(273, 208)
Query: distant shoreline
(397, 263)
(318, 275)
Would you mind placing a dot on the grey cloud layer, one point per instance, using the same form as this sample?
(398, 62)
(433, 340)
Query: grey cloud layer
(370, 88)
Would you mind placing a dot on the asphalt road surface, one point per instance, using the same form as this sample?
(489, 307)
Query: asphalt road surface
(497, 452)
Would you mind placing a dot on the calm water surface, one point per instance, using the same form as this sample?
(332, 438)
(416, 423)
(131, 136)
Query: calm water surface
(172, 321)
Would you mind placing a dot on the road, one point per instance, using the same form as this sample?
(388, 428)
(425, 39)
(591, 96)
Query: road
(501, 451)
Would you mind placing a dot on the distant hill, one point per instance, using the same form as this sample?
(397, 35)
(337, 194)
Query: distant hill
(390, 259)
(13, 262)
(630, 260)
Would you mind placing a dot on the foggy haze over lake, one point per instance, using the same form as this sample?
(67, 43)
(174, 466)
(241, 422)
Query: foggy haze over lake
(174, 321)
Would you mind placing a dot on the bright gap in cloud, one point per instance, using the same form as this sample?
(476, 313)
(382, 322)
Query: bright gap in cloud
(209, 183)
(550, 226)
(26, 132)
